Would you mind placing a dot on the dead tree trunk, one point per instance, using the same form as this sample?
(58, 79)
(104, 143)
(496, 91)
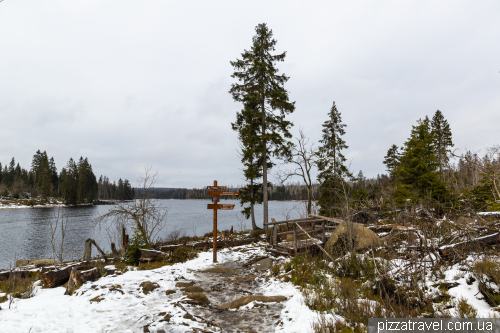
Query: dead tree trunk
(87, 255)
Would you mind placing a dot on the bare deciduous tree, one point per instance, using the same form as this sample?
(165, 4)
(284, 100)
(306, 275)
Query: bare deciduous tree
(146, 216)
(55, 222)
(304, 158)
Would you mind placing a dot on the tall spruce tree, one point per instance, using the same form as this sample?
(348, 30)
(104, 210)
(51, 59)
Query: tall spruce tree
(260, 83)
(332, 171)
(69, 180)
(418, 166)
(442, 139)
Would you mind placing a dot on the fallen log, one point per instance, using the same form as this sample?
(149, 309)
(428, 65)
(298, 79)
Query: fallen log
(485, 240)
(221, 244)
(170, 248)
(57, 277)
(329, 219)
(277, 253)
(5, 275)
(150, 255)
(386, 227)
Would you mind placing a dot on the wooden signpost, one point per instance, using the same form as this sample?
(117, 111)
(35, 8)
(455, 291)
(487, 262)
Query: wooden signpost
(215, 206)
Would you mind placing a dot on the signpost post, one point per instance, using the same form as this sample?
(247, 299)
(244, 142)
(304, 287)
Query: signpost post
(215, 206)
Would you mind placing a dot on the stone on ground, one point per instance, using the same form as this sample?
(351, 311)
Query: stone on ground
(352, 235)
(35, 262)
(263, 265)
(223, 270)
(200, 297)
(193, 289)
(245, 300)
(148, 287)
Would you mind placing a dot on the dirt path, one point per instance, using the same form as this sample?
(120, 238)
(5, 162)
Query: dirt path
(225, 283)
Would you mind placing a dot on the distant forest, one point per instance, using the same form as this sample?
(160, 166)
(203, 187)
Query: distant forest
(284, 192)
(75, 184)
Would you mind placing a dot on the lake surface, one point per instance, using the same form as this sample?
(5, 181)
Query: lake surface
(26, 233)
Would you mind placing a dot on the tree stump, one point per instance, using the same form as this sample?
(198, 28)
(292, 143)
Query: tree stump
(80, 275)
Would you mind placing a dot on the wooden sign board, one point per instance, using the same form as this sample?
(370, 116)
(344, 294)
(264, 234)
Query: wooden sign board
(223, 207)
(222, 193)
(216, 187)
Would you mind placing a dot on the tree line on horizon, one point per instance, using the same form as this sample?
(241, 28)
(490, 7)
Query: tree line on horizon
(75, 184)
(419, 171)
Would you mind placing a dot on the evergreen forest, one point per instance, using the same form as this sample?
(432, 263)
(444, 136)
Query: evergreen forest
(75, 184)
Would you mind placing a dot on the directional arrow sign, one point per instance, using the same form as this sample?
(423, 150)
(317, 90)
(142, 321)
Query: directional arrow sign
(223, 207)
(222, 193)
(216, 187)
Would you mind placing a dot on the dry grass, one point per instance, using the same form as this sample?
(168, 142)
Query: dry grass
(487, 272)
(19, 287)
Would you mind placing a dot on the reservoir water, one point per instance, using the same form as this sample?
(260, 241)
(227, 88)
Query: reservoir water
(26, 233)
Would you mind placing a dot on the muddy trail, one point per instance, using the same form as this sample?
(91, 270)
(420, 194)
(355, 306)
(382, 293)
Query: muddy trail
(224, 297)
(226, 283)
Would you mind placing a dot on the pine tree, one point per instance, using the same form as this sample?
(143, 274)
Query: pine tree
(87, 183)
(261, 85)
(442, 139)
(120, 191)
(332, 171)
(69, 180)
(1, 173)
(391, 160)
(418, 166)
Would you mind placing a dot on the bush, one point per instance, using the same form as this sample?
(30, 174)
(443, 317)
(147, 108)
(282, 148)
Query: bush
(256, 233)
(465, 310)
(182, 254)
(487, 272)
(132, 253)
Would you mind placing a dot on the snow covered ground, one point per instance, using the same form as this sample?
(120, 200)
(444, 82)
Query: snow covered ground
(117, 303)
(125, 308)
(17, 205)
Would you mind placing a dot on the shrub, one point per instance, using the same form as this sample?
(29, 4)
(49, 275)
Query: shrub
(487, 273)
(465, 310)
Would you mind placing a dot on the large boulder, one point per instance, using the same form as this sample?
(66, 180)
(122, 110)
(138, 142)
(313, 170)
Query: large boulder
(349, 235)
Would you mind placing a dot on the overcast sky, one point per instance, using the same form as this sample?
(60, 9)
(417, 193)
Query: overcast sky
(135, 83)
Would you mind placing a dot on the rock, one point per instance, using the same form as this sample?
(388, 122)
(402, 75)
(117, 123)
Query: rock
(22, 262)
(42, 262)
(97, 299)
(193, 289)
(166, 318)
(347, 232)
(188, 316)
(148, 287)
(200, 297)
(184, 284)
(170, 291)
(223, 270)
(35, 262)
(263, 264)
(245, 300)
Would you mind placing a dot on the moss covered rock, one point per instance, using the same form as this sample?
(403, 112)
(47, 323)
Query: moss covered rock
(349, 235)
